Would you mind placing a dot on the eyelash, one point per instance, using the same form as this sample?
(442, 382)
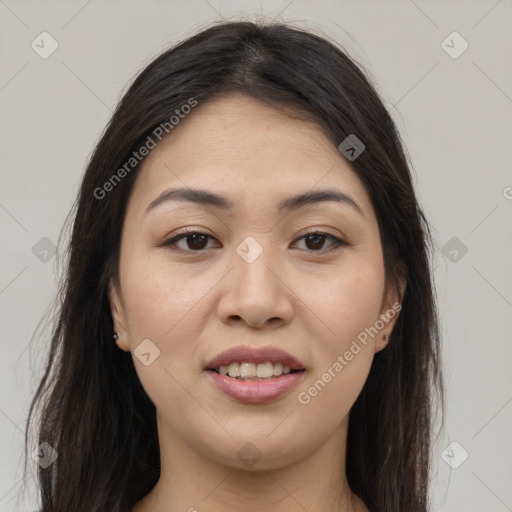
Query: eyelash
(171, 243)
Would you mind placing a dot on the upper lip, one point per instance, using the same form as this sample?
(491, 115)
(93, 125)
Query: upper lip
(246, 354)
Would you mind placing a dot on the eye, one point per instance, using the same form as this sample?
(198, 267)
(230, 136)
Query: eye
(317, 238)
(195, 241)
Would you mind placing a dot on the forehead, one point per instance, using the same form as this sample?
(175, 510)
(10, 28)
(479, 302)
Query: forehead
(249, 152)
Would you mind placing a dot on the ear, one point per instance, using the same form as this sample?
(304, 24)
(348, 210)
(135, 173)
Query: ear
(118, 318)
(391, 307)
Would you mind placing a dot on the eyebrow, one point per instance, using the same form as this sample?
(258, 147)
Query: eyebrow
(205, 197)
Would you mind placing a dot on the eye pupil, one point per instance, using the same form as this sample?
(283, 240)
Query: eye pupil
(196, 238)
(317, 239)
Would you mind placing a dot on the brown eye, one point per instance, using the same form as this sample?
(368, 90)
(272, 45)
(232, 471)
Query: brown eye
(315, 241)
(194, 241)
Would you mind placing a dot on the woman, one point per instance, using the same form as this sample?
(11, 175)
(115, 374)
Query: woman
(248, 317)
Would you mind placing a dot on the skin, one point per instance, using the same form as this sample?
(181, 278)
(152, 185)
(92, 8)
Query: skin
(306, 297)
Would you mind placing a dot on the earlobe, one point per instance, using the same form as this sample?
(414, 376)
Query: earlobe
(382, 341)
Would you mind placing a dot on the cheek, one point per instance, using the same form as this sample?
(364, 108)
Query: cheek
(161, 301)
(164, 306)
(346, 300)
(169, 306)
(347, 306)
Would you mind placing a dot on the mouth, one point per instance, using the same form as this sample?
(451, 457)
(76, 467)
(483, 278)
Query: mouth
(254, 372)
(254, 376)
(247, 363)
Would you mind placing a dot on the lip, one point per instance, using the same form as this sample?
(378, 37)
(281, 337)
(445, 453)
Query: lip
(256, 392)
(246, 354)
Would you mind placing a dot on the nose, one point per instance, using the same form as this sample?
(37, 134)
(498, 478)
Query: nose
(256, 293)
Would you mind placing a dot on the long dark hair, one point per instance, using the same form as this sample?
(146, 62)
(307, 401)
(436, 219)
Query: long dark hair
(93, 410)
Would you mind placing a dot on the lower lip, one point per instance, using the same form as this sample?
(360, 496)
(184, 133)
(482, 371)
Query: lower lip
(256, 391)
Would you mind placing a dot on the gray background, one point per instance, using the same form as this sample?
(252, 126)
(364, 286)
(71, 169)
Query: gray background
(454, 117)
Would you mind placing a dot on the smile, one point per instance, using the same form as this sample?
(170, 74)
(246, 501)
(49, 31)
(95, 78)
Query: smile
(252, 371)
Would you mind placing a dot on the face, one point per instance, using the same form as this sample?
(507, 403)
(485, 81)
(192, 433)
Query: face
(256, 276)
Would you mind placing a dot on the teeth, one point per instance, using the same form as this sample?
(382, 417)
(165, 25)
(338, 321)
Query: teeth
(234, 370)
(247, 370)
(252, 371)
(278, 369)
(265, 370)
